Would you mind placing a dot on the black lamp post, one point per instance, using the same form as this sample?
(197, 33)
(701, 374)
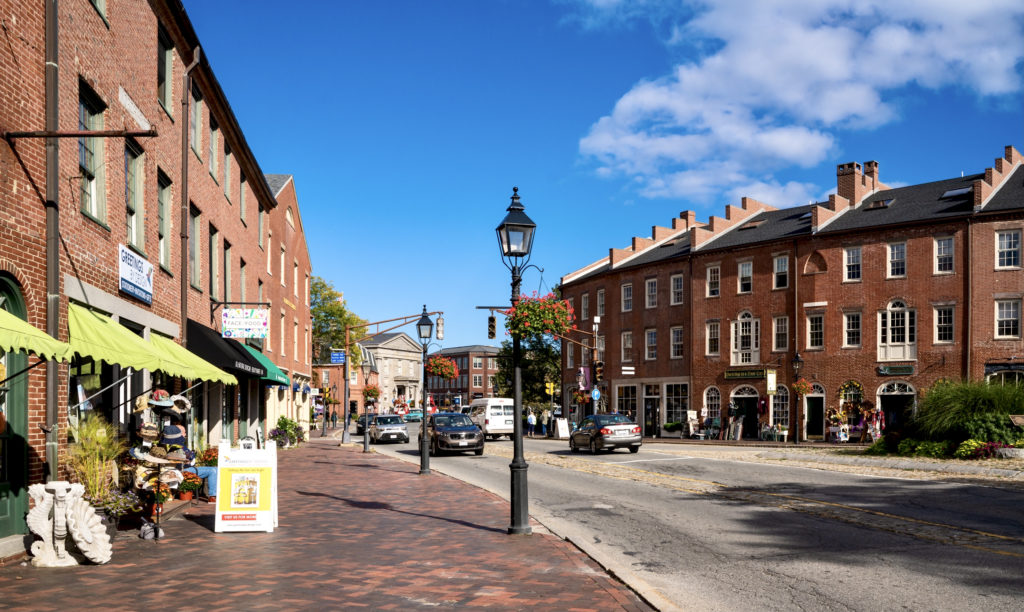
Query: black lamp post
(797, 363)
(424, 328)
(515, 238)
(366, 369)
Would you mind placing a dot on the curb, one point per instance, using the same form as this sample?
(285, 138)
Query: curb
(899, 464)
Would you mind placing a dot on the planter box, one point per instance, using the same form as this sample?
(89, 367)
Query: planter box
(1010, 453)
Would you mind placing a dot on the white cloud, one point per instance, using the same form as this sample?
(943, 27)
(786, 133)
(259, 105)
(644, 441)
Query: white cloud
(781, 77)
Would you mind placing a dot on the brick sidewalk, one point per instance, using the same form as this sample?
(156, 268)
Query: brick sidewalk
(356, 531)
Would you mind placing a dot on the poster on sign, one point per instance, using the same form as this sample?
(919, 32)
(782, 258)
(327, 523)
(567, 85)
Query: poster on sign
(245, 322)
(246, 489)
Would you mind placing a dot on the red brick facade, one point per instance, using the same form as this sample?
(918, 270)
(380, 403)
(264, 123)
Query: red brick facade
(477, 364)
(940, 317)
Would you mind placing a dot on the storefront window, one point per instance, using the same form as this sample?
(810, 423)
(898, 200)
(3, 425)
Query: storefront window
(675, 403)
(627, 400)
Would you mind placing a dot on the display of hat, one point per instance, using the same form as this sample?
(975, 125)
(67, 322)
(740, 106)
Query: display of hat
(173, 435)
(159, 452)
(181, 405)
(161, 399)
(176, 455)
(149, 431)
(141, 402)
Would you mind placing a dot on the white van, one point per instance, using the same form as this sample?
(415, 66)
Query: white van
(494, 415)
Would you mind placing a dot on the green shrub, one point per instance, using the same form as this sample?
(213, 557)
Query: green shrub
(878, 448)
(907, 447)
(673, 426)
(991, 427)
(960, 411)
(966, 449)
(938, 450)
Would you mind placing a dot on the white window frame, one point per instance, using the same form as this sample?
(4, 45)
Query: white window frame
(626, 300)
(712, 331)
(478, 363)
(677, 342)
(812, 319)
(650, 344)
(713, 284)
(1008, 311)
(780, 333)
(939, 246)
(713, 402)
(848, 318)
(570, 355)
(676, 290)
(780, 271)
(651, 293)
(1008, 249)
(896, 248)
(746, 340)
(478, 381)
(900, 317)
(780, 406)
(600, 302)
(626, 346)
(134, 195)
(853, 271)
(744, 273)
(165, 221)
(91, 156)
(585, 306)
(944, 316)
(600, 348)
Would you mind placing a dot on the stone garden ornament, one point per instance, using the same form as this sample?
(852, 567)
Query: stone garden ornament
(59, 511)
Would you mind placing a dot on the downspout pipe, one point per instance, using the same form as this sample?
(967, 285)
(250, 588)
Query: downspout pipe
(965, 373)
(186, 93)
(52, 234)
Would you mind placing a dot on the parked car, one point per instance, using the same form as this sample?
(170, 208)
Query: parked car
(494, 415)
(413, 416)
(388, 428)
(606, 431)
(453, 431)
(361, 423)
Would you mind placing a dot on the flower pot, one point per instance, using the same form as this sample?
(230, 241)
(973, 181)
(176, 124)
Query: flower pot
(185, 495)
(109, 522)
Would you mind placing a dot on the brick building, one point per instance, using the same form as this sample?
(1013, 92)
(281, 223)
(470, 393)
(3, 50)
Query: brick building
(331, 377)
(121, 266)
(881, 292)
(477, 366)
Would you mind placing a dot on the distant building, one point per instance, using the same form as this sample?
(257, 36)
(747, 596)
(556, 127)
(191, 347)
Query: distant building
(477, 366)
(399, 361)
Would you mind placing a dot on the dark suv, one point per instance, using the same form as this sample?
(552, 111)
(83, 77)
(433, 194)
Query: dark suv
(452, 431)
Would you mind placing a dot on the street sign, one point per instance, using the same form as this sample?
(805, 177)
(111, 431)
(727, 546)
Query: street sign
(595, 394)
(338, 357)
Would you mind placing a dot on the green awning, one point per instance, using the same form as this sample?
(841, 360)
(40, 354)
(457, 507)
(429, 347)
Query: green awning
(17, 335)
(194, 367)
(274, 373)
(100, 337)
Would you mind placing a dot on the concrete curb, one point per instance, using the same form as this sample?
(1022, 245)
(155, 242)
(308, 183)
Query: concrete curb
(897, 464)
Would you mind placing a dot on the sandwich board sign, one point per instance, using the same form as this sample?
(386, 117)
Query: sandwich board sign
(246, 489)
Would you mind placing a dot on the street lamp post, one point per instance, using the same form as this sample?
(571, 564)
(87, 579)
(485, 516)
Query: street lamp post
(424, 329)
(515, 239)
(366, 367)
(798, 363)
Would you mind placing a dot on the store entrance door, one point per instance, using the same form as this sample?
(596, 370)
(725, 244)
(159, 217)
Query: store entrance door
(815, 407)
(652, 417)
(13, 426)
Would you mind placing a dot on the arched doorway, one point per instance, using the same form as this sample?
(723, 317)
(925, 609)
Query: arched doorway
(897, 400)
(814, 409)
(13, 424)
(745, 399)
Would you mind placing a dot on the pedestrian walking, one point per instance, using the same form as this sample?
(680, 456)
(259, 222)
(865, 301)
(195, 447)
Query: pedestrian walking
(334, 419)
(545, 417)
(531, 422)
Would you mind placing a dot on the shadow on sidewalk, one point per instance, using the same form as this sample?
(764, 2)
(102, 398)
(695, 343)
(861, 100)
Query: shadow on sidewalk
(372, 505)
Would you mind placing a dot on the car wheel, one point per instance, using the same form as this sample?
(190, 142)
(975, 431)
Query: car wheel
(434, 451)
(479, 451)
(572, 446)
(593, 446)
(634, 449)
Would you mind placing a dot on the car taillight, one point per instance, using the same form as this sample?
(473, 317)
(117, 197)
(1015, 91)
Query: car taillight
(606, 432)
(487, 421)
(636, 429)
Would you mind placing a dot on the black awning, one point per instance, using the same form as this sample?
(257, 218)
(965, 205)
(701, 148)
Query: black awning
(222, 352)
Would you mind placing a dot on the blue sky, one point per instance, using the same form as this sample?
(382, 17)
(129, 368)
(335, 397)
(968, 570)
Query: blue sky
(407, 123)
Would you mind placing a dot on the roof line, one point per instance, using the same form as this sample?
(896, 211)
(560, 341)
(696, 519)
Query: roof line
(728, 230)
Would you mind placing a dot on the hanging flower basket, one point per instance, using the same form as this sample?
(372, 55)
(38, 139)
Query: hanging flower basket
(537, 316)
(442, 367)
(371, 391)
(802, 387)
(580, 397)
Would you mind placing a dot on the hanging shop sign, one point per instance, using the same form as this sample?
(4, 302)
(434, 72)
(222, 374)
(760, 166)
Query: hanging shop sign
(246, 489)
(245, 323)
(896, 370)
(734, 374)
(771, 380)
(136, 274)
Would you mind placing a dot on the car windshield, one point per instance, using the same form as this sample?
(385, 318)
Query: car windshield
(452, 420)
(615, 419)
(389, 420)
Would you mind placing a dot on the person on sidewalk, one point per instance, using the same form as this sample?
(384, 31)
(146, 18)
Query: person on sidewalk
(545, 417)
(174, 436)
(334, 419)
(531, 423)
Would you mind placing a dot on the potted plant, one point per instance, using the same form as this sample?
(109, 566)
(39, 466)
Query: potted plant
(539, 315)
(371, 392)
(189, 486)
(113, 506)
(442, 367)
(93, 456)
(208, 457)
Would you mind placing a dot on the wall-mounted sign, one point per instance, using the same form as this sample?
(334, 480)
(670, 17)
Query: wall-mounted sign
(244, 323)
(628, 370)
(896, 370)
(136, 274)
(771, 380)
(753, 373)
(338, 357)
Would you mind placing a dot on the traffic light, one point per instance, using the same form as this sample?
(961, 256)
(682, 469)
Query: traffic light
(549, 388)
(598, 371)
(491, 324)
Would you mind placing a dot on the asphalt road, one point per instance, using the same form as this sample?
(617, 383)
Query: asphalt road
(715, 534)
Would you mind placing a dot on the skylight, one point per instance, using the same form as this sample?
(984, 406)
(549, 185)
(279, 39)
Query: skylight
(884, 203)
(952, 193)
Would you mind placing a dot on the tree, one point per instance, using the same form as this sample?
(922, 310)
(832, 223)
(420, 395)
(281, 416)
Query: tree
(540, 363)
(330, 315)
